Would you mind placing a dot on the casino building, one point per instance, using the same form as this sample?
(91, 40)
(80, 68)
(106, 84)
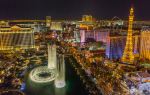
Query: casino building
(115, 46)
(145, 43)
(16, 37)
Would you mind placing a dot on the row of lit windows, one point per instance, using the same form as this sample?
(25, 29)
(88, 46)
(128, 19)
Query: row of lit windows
(12, 40)
(15, 31)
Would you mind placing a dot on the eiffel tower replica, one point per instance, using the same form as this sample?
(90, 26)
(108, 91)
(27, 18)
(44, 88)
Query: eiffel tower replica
(128, 56)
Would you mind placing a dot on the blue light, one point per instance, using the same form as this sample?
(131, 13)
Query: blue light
(23, 86)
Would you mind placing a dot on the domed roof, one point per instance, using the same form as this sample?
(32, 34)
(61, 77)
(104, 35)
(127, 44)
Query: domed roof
(15, 27)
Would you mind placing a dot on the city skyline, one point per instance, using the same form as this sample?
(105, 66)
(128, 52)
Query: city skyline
(47, 50)
(67, 9)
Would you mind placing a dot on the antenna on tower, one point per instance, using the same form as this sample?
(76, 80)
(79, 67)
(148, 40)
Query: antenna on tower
(132, 8)
(132, 4)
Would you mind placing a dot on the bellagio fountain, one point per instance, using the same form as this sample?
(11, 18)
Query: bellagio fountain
(55, 71)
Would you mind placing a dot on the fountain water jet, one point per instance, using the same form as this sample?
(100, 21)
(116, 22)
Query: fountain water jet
(45, 74)
(52, 56)
(60, 79)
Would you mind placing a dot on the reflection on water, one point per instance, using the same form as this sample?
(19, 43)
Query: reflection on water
(43, 89)
(73, 86)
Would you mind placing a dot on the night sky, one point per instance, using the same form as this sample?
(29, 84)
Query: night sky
(72, 9)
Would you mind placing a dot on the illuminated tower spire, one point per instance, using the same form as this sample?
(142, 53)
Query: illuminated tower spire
(128, 56)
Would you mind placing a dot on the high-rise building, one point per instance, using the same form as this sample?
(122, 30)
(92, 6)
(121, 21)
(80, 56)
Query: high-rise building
(57, 26)
(128, 56)
(145, 43)
(77, 35)
(82, 35)
(48, 21)
(87, 18)
(97, 35)
(87, 22)
(116, 44)
(16, 37)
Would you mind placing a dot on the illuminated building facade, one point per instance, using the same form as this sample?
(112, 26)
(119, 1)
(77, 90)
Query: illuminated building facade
(97, 35)
(115, 46)
(57, 26)
(37, 25)
(145, 43)
(4, 23)
(77, 35)
(101, 35)
(128, 56)
(86, 23)
(87, 18)
(86, 26)
(82, 36)
(16, 37)
(48, 21)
